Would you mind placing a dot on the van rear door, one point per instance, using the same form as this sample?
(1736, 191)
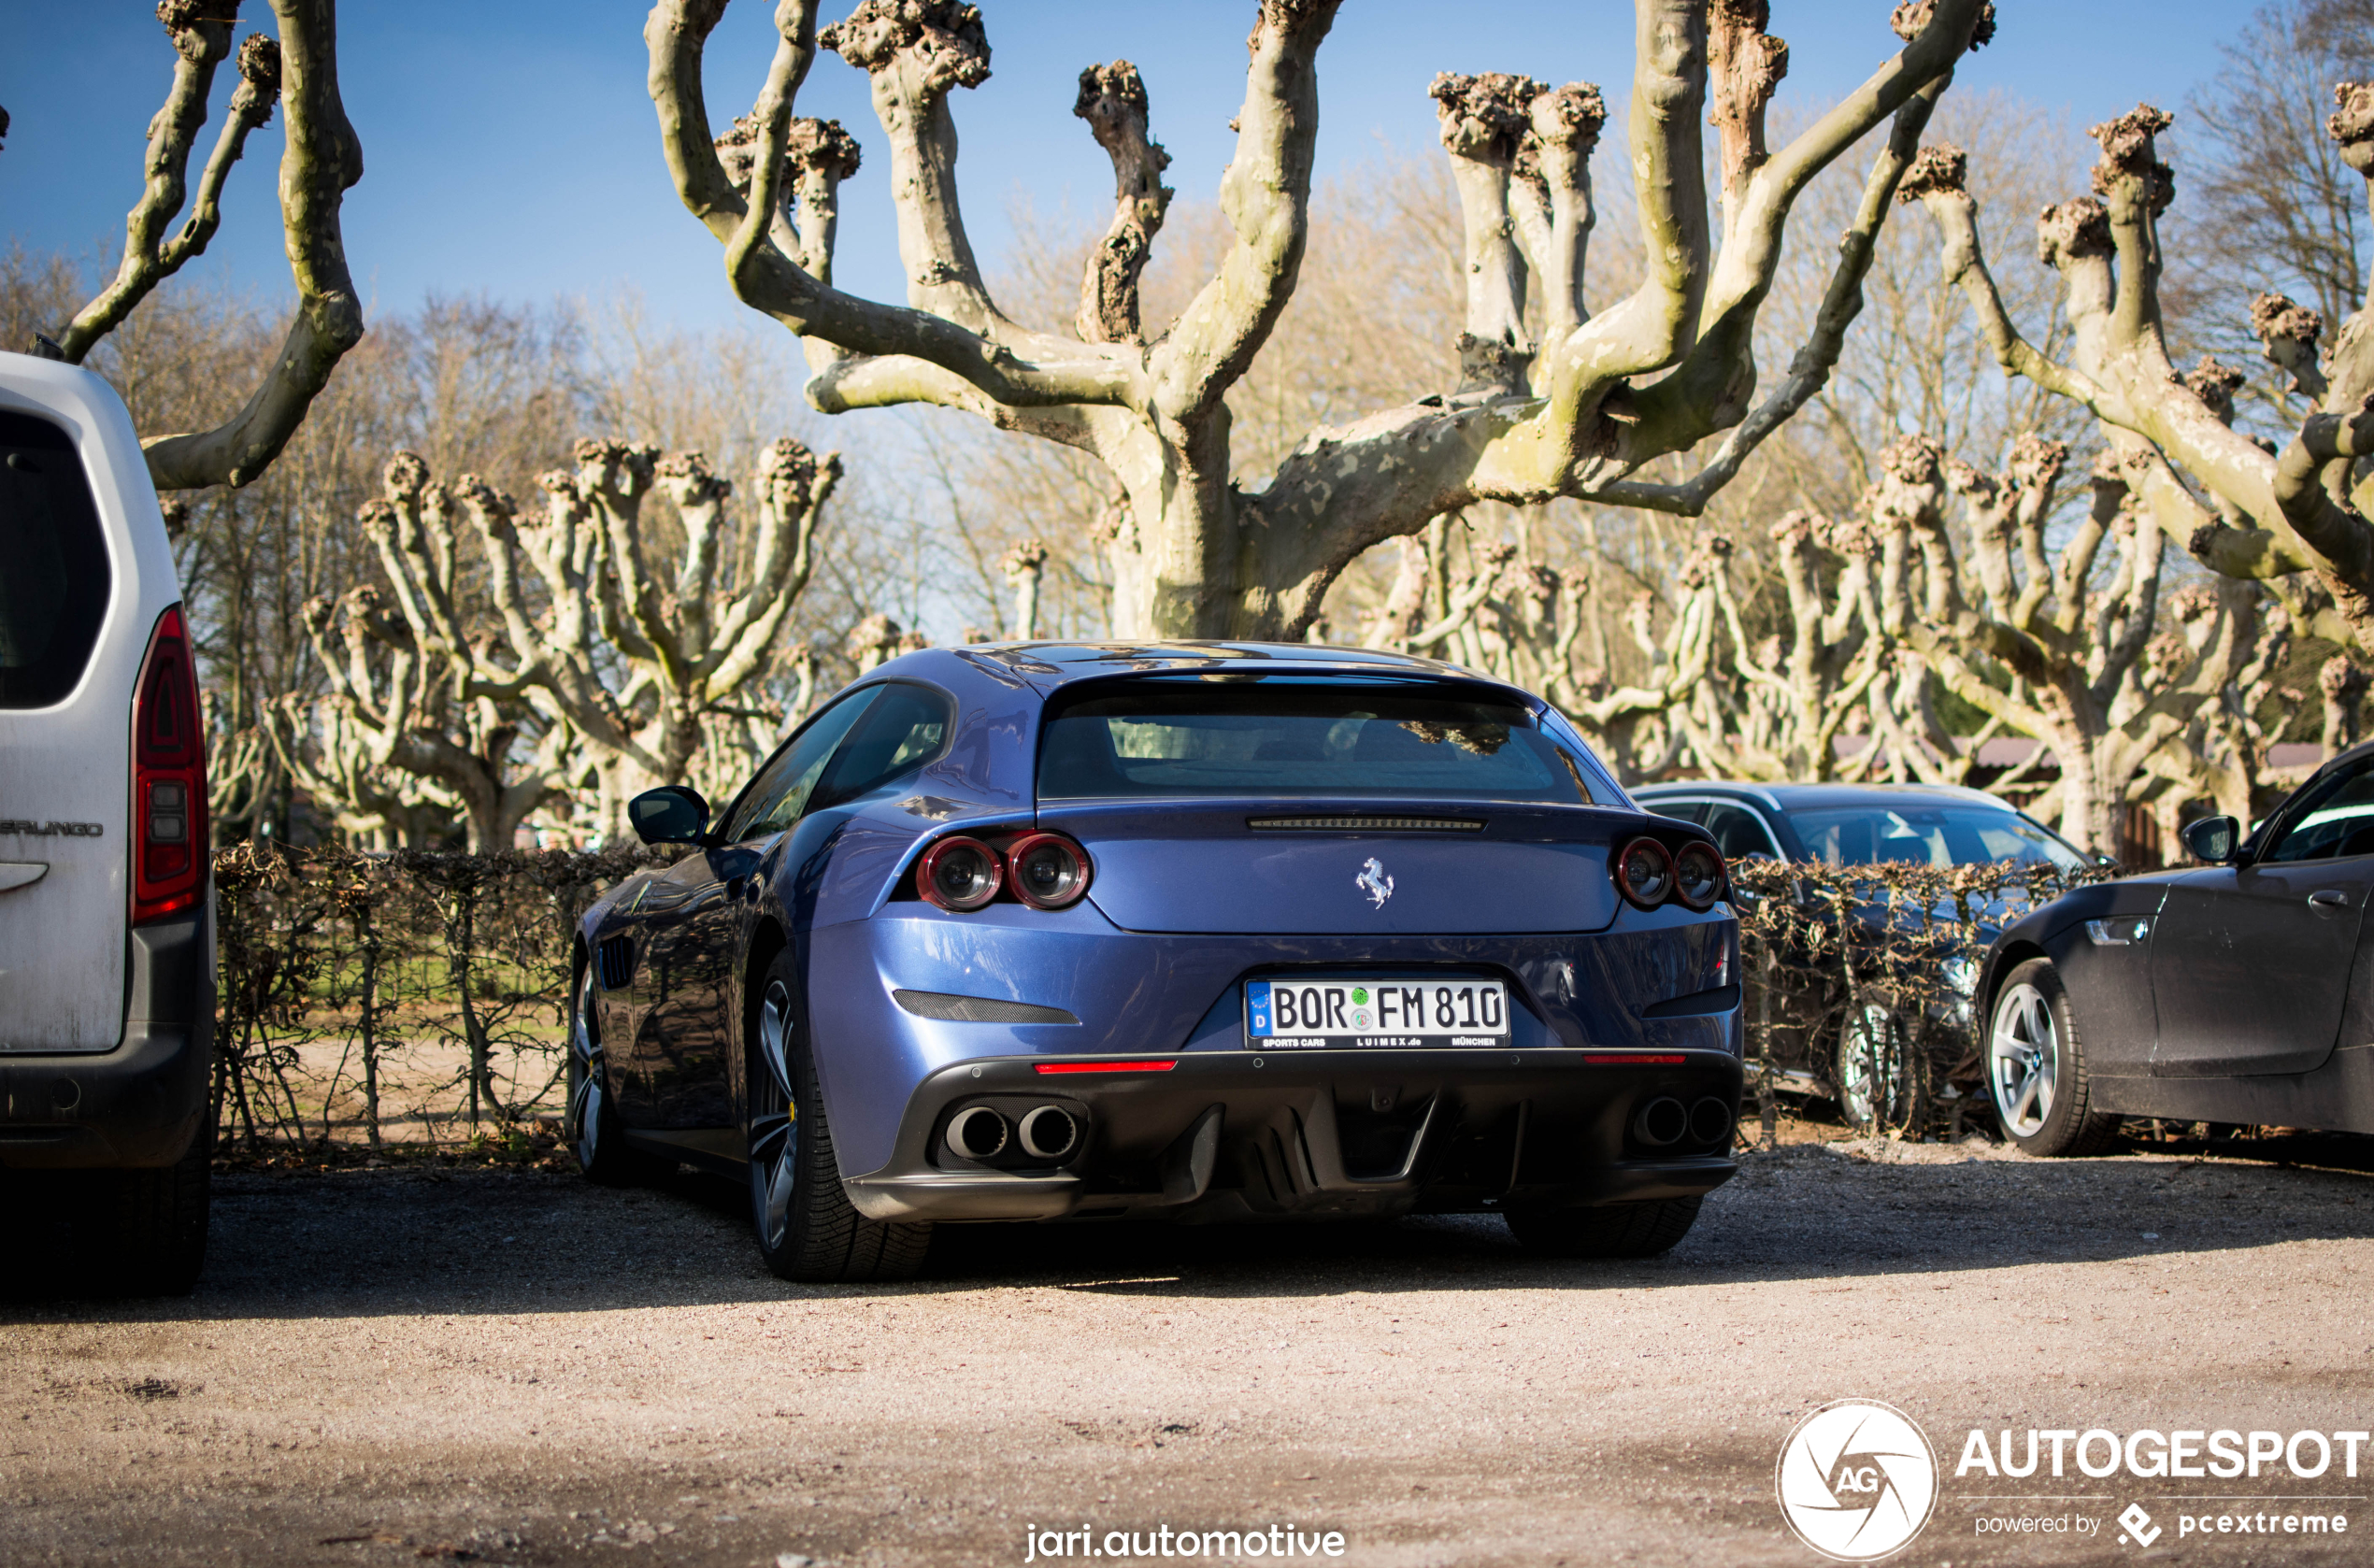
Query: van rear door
(85, 571)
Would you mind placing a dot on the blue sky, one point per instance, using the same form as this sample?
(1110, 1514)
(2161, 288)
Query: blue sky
(510, 149)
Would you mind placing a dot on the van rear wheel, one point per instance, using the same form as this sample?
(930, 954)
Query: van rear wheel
(152, 1225)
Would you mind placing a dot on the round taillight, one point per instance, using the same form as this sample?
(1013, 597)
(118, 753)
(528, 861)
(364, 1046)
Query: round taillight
(1644, 872)
(1698, 875)
(960, 874)
(1049, 870)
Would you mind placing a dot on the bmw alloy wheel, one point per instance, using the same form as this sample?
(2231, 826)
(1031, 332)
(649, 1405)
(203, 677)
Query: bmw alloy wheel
(774, 1132)
(1876, 1087)
(2024, 1059)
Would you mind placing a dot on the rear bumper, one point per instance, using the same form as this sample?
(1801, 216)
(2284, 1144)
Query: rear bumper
(142, 1104)
(1235, 1136)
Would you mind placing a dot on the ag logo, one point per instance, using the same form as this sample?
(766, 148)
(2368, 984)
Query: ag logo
(1856, 1480)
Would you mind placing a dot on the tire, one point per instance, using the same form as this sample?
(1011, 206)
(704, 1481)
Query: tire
(151, 1224)
(2036, 1069)
(590, 1123)
(808, 1230)
(1610, 1231)
(1878, 1073)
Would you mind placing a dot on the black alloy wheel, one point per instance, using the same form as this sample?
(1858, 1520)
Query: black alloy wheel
(808, 1230)
(590, 1123)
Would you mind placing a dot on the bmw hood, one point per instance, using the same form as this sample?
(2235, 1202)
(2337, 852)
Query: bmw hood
(1333, 869)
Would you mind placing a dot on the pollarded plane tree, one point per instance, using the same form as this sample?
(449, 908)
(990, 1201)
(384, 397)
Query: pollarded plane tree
(320, 161)
(1581, 412)
(565, 632)
(2050, 644)
(644, 669)
(1794, 692)
(1492, 609)
(2293, 517)
(417, 727)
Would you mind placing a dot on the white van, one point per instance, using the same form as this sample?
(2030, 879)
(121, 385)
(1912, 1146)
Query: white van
(106, 939)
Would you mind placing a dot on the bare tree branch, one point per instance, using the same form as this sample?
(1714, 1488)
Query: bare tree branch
(320, 162)
(201, 41)
(1113, 99)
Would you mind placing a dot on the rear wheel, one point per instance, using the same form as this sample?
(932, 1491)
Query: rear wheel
(2036, 1069)
(1878, 1073)
(1610, 1231)
(154, 1223)
(807, 1229)
(592, 1121)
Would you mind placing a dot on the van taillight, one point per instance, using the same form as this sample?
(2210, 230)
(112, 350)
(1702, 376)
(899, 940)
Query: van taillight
(168, 778)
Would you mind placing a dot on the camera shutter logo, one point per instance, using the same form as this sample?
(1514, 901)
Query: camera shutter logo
(1856, 1480)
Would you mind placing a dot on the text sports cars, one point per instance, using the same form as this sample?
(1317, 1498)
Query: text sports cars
(1201, 932)
(2241, 991)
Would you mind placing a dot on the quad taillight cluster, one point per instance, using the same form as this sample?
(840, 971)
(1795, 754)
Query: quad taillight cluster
(1648, 874)
(1044, 870)
(168, 780)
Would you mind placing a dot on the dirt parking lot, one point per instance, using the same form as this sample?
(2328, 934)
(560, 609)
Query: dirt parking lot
(387, 1366)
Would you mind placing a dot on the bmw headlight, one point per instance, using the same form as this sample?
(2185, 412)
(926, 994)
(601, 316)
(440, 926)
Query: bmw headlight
(1961, 976)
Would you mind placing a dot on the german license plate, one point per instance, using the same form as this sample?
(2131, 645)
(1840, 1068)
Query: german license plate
(1318, 1013)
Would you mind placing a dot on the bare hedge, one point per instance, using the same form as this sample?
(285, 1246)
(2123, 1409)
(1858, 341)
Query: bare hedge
(389, 957)
(418, 955)
(1821, 944)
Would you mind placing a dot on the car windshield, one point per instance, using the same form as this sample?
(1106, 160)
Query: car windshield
(1299, 739)
(1928, 834)
(2340, 821)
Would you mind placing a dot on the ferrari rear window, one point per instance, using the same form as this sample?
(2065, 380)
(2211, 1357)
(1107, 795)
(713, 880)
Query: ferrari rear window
(1229, 738)
(53, 564)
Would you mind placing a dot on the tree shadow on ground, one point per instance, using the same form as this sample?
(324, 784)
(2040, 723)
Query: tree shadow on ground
(376, 1243)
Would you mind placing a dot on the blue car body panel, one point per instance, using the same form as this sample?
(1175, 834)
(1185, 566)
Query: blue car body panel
(1609, 1003)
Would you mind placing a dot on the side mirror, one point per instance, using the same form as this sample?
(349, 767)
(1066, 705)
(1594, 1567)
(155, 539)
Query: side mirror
(671, 814)
(2213, 840)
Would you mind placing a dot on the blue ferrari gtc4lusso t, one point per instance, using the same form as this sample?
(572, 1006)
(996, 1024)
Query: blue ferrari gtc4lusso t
(1185, 931)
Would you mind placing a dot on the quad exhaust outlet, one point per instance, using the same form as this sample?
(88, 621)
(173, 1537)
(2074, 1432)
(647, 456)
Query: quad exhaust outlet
(1711, 1121)
(1661, 1122)
(1043, 1132)
(1049, 1133)
(975, 1132)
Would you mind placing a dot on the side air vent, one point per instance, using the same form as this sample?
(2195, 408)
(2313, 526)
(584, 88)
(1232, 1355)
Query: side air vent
(1365, 825)
(616, 957)
(977, 1009)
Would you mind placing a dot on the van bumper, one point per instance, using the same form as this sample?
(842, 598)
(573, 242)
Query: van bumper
(142, 1104)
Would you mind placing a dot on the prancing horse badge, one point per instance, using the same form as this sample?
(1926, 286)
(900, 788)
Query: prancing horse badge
(1373, 881)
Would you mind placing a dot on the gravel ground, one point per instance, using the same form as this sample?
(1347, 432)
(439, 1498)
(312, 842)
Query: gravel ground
(386, 1366)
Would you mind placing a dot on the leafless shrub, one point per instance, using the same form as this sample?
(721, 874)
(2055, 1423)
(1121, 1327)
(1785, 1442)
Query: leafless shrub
(1820, 943)
(383, 954)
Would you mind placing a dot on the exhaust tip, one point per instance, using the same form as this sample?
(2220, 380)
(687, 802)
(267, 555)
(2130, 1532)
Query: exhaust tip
(975, 1133)
(1711, 1121)
(1049, 1133)
(1661, 1122)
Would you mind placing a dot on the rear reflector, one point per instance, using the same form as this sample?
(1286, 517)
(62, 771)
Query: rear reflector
(1632, 1059)
(1116, 1066)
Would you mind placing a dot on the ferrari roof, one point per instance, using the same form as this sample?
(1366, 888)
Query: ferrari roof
(1049, 665)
